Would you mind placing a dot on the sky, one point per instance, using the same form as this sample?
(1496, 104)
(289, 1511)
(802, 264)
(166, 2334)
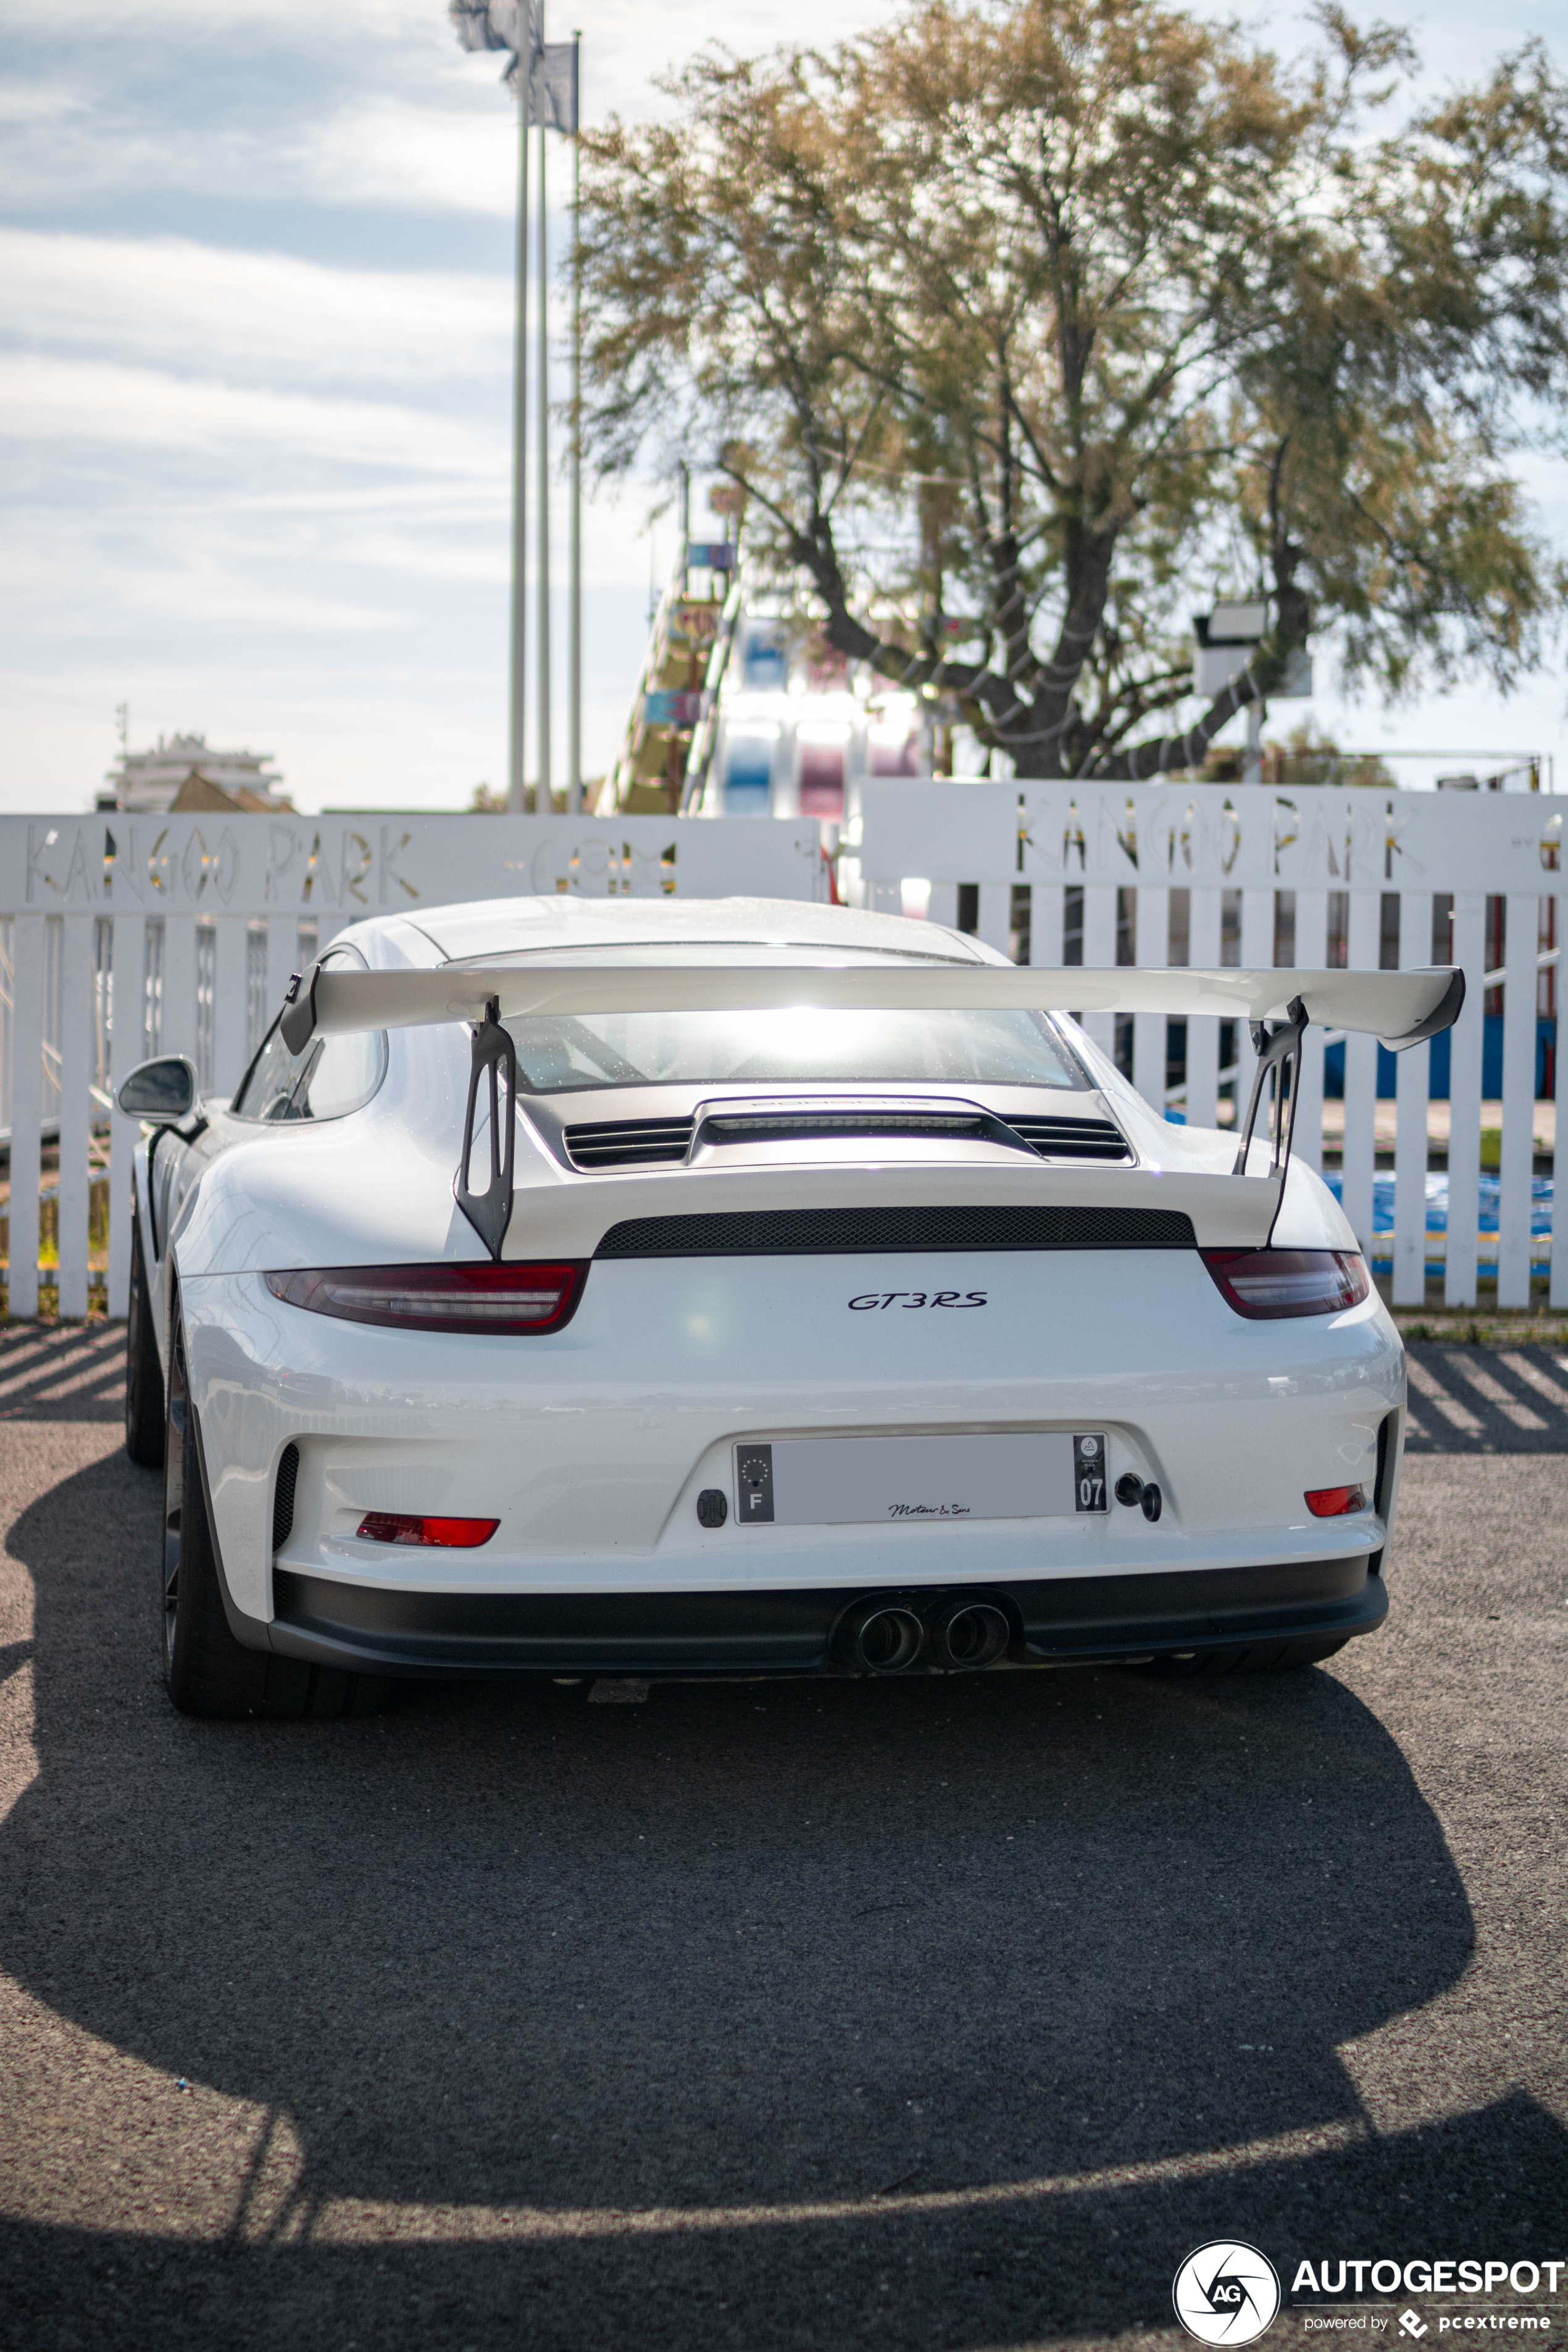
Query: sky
(256, 286)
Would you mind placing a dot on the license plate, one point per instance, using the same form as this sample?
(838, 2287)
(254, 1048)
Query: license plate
(809, 1482)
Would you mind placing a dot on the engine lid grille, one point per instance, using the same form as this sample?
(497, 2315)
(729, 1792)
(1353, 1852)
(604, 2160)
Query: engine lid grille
(1073, 1139)
(667, 1142)
(628, 1143)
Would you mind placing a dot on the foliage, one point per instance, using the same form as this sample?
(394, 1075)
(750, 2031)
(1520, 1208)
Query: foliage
(1016, 320)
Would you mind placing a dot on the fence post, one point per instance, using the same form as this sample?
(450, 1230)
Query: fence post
(1048, 922)
(1203, 1033)
(26, 1110)
(996, 926)
(1413, 1079)
(1359, 1159)
(282, 960)
(1467, 1040)
(76, 1114)
(1312, 955)
(178, 1026)
(1518, 1101)
(1100, 955)
(127, 1044)
(229, 1003)
(1152, 942)
(1559, 1222)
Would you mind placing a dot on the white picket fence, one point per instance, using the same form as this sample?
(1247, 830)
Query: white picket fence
(126, 936)
(1257, 874)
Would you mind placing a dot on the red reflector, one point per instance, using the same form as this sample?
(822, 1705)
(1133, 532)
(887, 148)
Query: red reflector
(513, 1299)
(399, 1528)
(1334, 1502)
(1263, 1284)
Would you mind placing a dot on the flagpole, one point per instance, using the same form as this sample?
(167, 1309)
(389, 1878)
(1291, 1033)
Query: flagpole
(543, 802)
(574, 689)
(514, 787)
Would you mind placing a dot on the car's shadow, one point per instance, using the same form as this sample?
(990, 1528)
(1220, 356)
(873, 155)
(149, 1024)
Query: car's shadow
(742, 1946)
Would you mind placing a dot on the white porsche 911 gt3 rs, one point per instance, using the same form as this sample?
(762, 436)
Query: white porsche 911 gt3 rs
(628, 1289)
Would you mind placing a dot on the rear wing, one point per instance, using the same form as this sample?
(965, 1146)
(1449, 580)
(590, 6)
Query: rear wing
(1399, 1008)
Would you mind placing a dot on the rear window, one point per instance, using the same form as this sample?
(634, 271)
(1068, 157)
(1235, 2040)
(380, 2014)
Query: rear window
(560, 1055)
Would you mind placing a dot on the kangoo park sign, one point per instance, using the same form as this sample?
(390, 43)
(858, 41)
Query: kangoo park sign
(1243, 836)
(340, 869)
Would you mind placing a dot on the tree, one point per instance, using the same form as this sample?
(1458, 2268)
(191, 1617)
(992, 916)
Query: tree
(1015, 320)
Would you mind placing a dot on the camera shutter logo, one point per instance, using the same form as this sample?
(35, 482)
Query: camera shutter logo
(1226, 2293)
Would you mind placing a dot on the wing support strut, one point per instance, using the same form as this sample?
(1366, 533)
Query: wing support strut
(1277, 1049)
(489, 1211)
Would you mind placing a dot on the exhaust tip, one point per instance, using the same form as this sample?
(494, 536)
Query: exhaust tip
(967, 1635)
(880, 1637)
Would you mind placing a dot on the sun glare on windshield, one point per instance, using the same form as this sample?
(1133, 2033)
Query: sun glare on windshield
(794, 1045)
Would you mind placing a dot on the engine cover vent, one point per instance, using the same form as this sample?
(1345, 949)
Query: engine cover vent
(1073, 1139)
(788, 1126)
(628, 1143)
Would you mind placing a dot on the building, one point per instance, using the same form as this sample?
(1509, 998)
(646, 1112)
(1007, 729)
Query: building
(182, 773)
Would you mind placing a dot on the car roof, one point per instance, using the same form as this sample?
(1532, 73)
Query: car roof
(504, 926)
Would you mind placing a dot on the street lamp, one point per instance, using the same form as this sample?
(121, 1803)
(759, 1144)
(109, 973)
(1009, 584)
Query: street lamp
(1228, 636)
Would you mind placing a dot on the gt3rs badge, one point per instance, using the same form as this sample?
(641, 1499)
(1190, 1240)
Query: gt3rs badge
(870, 1299)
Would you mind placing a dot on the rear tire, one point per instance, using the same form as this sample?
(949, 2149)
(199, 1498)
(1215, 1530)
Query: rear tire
(1252, 1658)
(207, 1672)
(144, 1412)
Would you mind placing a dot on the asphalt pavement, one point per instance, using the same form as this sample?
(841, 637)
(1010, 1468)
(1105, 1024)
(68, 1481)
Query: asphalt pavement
(941, 2013)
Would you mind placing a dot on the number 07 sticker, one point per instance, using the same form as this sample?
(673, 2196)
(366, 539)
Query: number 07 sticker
(1089, 1474)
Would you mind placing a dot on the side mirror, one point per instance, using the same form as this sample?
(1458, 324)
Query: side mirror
(161, 1091)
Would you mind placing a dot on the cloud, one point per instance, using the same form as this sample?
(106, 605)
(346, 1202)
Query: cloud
(399, 152)
(186, 304)
(129, 20)
(44, 399)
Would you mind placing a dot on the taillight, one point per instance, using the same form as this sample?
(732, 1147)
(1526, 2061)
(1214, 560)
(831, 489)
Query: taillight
(403, 1528)
(503, 1298)
(1336, 1501)
(1261, 1284)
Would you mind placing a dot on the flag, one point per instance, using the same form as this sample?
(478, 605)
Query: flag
(495, 24)
(553, 85)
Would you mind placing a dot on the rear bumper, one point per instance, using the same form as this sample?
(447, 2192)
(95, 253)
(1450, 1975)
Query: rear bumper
(1058, 1620)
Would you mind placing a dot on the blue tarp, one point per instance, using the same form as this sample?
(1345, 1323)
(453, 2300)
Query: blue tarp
(1437, 1087)
(1437, 1218)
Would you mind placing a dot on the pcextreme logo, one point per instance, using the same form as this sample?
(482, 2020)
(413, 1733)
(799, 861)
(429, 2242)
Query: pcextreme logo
(1225, 2293)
